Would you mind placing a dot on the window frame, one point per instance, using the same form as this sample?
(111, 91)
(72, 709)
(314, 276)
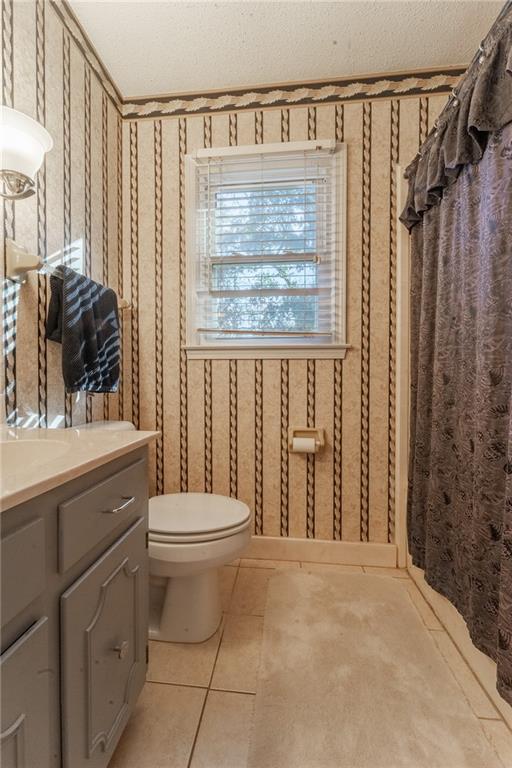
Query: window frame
(252, 351)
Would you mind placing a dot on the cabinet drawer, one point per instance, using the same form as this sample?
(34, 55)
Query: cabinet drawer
(87, 518)
(25, 719)
(23, 568)
(104, 618)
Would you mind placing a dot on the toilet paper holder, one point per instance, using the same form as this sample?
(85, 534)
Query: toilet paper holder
(315, 433)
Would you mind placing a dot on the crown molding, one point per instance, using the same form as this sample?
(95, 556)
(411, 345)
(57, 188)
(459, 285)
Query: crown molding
(246, 88)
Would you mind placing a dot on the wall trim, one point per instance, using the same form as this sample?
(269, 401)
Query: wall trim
(481, 665)
(281, 352)
(402, 375)
(337, 90)
(322, 551)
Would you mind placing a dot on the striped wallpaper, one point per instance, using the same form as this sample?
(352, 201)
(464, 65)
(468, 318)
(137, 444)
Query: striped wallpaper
(224, 422)
(113, 192)
(76, 213)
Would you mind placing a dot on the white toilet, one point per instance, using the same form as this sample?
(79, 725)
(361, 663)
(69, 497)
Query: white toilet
(190, 536)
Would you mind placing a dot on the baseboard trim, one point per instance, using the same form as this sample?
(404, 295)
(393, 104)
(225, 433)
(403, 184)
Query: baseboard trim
(323, 551)
(481, 665)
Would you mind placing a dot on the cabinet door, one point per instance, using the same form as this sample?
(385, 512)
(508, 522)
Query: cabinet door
(25, 741)
(104, 617)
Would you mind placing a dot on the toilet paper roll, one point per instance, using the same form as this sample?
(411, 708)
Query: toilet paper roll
(303, 445)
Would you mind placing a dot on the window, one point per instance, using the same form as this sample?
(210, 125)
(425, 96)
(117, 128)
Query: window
(265, 255)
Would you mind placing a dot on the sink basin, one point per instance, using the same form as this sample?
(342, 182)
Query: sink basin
(30, 453)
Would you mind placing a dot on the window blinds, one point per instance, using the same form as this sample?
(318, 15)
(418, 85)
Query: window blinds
(265, 247)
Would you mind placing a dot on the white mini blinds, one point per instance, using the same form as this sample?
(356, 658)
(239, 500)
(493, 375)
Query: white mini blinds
(264, 234)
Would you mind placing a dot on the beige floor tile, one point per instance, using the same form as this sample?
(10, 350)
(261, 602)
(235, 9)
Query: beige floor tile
(475, 694)
(501, 739)
(238, 661)
(161, 730)
(396, 573)
(250, 593)
(227, 578)
(324, 567)
(421, 605)
(247, 562)
(183, 663)
(223, 739)
(236, 562)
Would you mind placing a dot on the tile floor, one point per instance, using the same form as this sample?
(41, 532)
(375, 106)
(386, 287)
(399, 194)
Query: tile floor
(196, 708)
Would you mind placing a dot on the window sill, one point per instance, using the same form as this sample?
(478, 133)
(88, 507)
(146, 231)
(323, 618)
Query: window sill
(299, 352)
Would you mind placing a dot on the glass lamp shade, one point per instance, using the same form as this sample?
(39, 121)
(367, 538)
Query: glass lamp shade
(23, 144)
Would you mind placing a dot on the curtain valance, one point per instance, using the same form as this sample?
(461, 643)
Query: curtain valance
(480, 105)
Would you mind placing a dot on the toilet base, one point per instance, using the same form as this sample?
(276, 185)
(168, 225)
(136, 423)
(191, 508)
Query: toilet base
(189, 609)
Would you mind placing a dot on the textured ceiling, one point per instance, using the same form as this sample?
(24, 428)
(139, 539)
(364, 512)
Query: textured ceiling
(163, 47)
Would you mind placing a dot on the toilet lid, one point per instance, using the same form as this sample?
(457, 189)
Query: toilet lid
(191, 514)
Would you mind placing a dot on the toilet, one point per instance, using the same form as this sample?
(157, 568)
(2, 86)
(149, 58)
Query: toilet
(190, 536)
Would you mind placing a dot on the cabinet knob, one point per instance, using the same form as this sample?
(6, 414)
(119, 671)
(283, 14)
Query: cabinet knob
(121, 649)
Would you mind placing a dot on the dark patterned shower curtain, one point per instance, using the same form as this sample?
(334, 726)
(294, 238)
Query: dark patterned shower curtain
(459, 210)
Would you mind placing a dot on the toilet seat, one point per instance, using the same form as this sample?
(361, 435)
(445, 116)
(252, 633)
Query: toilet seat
(199, 538)
(189, 518)
(191, 536)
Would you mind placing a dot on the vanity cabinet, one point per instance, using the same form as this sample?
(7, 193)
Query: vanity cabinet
(25, 739)
(74, 617)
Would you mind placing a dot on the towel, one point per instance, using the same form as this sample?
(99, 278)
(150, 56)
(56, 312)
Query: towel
(83, 317)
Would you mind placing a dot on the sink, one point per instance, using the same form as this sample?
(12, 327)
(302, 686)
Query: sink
(30, 453)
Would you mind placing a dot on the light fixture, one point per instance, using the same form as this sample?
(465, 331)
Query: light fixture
(23, 144)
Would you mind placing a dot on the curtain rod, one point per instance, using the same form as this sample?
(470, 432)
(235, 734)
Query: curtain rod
(476, 58)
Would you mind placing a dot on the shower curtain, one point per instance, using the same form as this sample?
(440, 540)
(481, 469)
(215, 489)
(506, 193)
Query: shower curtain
(459, 211)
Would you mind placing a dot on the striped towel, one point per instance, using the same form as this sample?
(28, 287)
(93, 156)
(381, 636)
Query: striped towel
(83, 317)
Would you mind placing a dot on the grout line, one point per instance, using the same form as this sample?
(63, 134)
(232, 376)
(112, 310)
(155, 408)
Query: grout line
(207, 688)
(399, 574)
(197, 730)
(222, 627)
(265, 560)
(177, 685)
(497, 719)
(226, 613)
(242, 693)
(222, 690)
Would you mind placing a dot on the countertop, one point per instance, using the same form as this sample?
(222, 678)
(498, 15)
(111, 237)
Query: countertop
(42, 459)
